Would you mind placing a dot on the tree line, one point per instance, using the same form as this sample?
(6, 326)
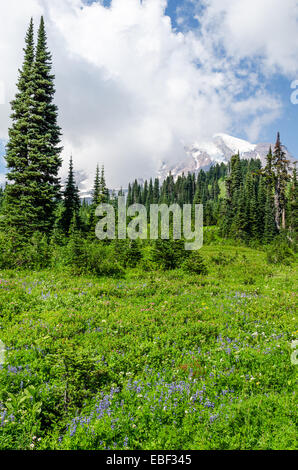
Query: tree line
(245, 201)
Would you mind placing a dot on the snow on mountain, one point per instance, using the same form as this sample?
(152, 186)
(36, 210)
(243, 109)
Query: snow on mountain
(235, 144)
(202, 155)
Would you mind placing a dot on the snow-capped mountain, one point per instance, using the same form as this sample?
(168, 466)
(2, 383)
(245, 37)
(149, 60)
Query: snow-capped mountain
(201, 155)
(218, 150)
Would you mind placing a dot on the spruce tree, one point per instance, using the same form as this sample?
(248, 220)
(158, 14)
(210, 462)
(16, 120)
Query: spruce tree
(104, 192)
(261, 203)
(281, 177)
(197, 196)
(71, 201)
(96, 198)
(20, 213)
(100, 195)
(149, 199)
(77, 253)
(145, 193)
(1, 197)
(129, 199)
(33, 155)
(136, 193)
(270, 229)
(235, 176)
(268, 170)
(156, 192)
(44, 134)
(215, 190)
(293, 208)
(240, 223)
(230, 207)
(251, 205)
(195, 264)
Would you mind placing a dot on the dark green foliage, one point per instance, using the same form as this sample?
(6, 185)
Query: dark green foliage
(133, 253)
(280, 179)
(203, 189)
(100, 260)
(103, 190)
(292, 209)
(100, 195)
(81, 374)
(127, 252)
(221, 259)
(260, 209)
(36, 254)
(256, 199)
(1, 197)
(44, 133)
(156, 192)
(195, 264)
(270, 229)
(96, 192)
(33, 152)
(77, 257)
(71, 202)
(20, 215)
(168, 254)
(280, 253)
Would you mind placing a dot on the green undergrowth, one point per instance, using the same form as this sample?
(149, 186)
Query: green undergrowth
(153, 360)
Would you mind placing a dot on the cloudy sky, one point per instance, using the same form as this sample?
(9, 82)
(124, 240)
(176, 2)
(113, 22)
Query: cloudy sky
(138, 80)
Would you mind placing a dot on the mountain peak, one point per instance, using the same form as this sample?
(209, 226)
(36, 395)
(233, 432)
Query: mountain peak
(202, 155)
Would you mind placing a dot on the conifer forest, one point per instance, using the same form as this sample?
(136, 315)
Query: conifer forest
(133, 343)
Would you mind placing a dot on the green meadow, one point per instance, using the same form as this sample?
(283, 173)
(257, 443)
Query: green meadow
(152, 360)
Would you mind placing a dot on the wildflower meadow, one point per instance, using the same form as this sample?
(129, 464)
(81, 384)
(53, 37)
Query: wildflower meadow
(153, 359)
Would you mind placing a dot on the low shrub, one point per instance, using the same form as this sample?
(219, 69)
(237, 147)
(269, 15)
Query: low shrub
(195, 264)
(279, 253)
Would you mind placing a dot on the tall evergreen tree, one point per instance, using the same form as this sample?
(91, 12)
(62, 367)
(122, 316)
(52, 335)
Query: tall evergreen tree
(145, 193)
(20, 213)
(129, 199)
(235, 176)
(230, 207)
(1, 197)
(268, 170)
(71, 201)
(96, 196)
(261, 204)
(44, 133)
(240, 222)
(293, 208)
(100, 195)
(149, 199)
(251, 205)
(33, 155)
(156, 192)
(281, 177)
(104, 192)
(270, 229)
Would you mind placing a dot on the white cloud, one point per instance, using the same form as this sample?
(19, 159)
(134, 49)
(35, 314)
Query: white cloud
(265, 30)
(129, 88)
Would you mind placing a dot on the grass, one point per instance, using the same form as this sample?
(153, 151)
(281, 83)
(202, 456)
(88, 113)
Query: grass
(151, 361)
